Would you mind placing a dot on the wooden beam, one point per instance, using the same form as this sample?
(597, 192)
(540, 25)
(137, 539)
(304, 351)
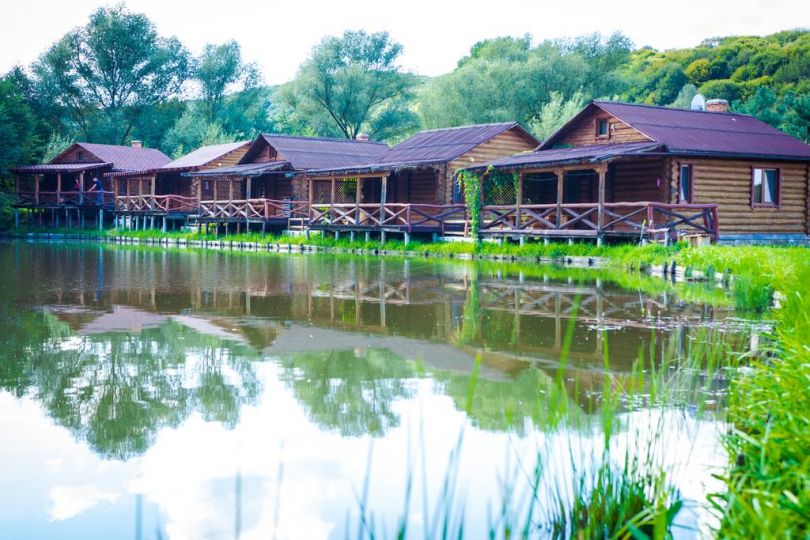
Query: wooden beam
(383, 193)
(332, 199)
(560, 181)
(518, 199)
(601, 209)
(152, 190)
(37, 178)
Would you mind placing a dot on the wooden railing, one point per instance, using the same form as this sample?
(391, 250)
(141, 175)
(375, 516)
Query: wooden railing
(401, 216)
(259, 209)
(648, 219)
(158, 203)
(65, 198)
(653, 219)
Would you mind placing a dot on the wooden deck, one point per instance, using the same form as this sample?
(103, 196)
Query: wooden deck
(650, 220)
(392, 217)
(65, 199)
(269, 211)
(155, 204)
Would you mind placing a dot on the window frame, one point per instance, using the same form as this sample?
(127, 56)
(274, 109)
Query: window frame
(778, 194)
(597, 122)
(691, 197)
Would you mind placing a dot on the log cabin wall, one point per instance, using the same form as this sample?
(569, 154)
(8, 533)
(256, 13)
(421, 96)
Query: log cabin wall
(504, 144)
(417, 187)
(638, 180)
(583, 132)
(728, 184)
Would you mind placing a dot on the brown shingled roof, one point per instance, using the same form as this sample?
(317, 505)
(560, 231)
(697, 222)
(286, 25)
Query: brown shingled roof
(685, 131)
(435, 146)
(204, 155)
(122, 157)
(306, 153)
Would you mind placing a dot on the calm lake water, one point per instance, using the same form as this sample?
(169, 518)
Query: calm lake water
(197, 394)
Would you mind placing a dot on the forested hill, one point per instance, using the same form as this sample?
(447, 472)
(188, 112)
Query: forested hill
(115, 79)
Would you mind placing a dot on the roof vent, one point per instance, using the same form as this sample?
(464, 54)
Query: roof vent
(717, 105)
(362, 137)
(698, 103)
(137, 144)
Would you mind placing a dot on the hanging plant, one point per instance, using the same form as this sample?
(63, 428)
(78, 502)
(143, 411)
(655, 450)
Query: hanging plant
(470, 184)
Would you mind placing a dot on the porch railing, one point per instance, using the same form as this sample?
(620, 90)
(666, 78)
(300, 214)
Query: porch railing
(158, 203)
(259, 209)
(65, 198)
(654, 219)
(401, 216)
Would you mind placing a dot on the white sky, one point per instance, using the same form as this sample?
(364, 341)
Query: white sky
(435, 34)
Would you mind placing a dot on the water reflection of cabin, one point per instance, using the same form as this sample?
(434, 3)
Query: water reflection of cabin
(166, 193)
(410, 188)
(631, 171)
(64, 191)
(265, 186)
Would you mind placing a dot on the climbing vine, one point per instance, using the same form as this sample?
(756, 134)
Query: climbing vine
(470, 184)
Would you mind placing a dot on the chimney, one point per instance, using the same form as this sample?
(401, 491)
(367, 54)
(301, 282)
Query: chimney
(362, 137)
(717, 105)
(137, 144)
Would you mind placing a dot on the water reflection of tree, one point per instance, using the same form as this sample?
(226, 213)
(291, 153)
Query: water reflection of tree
(531, 398)
(117, 390)
(352, 392)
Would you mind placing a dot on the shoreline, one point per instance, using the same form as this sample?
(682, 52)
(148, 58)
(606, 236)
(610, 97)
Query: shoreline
(667, 270)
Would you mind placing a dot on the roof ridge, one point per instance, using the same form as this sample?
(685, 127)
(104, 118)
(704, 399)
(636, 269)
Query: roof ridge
(330, 139)
(468, 126)
(665, 108)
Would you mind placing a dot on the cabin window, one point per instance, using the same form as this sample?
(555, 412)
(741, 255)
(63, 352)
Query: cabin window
(765, 187)
(685, 184)
(80, 156)
(602, 127)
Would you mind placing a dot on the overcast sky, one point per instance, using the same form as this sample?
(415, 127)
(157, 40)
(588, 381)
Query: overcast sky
(435, 34)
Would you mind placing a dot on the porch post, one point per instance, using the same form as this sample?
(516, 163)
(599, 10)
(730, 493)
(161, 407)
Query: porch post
(560, 179)
(601, 209)
(230, 189)
(152, 198)
(58, 188)
(383, 197)
(308, 181)
(519, 201)
(358, 198)
(248, 185)
(332, 201)
(36, 188)
(81, 189)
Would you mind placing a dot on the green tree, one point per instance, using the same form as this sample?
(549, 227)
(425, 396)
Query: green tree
(556, 113)
(220, 70)
(191, 132)
(105, 73)
(352, 81)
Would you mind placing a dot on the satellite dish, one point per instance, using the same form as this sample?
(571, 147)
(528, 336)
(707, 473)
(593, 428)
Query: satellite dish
(698, 103)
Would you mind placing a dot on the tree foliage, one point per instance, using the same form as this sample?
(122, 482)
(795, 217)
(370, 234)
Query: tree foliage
(352, 83)
(105, 73)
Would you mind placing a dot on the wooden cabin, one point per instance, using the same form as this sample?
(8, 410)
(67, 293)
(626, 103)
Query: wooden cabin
(166, 192)
(411, 187)
(265, 187)
(634, 171)
(65, 191)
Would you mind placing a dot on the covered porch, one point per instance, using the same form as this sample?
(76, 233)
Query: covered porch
(405, 200)
(153, 194)
(601, 193)
(255, 193)
(62, 194)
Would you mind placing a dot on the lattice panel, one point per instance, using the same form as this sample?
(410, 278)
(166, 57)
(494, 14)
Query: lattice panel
(346, 191)
(500, 193)
(321, 191)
